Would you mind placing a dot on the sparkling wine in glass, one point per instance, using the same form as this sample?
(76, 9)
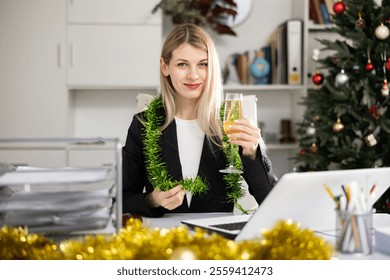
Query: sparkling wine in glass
(232, 112)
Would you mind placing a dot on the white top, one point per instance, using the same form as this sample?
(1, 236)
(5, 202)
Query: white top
(190, 139)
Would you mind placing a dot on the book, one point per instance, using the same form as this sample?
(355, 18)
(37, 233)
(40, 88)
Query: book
(317, 9)
(324, 12)
(313, 16)
(260, 67)
(329, 4)
(243, 68)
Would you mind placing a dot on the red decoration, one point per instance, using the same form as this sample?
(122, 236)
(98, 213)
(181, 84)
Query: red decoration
(318, 78)
(388, 64)
(374, 112)
(369, 66)
(302, 151)
(339, 7)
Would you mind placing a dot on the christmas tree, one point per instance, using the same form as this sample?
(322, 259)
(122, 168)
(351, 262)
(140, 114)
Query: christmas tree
(346, 124)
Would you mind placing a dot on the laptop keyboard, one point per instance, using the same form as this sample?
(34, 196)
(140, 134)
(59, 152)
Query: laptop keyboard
(231, 226)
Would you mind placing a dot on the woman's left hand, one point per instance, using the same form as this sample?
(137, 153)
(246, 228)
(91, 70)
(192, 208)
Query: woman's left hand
(247, 136)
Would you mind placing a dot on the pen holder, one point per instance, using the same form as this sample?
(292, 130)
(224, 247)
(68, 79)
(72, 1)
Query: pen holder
(354, 232)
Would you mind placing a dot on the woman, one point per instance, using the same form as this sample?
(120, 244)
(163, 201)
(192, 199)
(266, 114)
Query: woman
(174, 150)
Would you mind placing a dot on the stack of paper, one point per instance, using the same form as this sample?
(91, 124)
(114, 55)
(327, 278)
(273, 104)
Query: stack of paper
(55, 210)
(23, 175)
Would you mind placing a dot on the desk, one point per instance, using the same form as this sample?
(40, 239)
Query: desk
(174, 220)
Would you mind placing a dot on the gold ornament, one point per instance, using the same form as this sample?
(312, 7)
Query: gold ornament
(316, 118)
(314, 148)
(360, 22)
(338, 126)
(136, 242)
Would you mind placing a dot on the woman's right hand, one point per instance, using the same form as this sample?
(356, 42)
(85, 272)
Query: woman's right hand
(170, 199)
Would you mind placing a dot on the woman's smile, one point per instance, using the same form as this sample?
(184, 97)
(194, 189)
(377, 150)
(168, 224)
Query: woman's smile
(192, 85)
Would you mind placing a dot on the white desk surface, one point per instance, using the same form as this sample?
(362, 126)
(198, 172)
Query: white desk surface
(174, 220)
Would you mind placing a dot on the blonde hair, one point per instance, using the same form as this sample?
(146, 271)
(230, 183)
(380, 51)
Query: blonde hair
(208, 111)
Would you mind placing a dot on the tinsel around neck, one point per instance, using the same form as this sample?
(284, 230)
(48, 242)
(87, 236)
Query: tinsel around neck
(157, 170)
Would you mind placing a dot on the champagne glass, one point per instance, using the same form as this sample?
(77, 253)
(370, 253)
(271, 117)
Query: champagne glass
(232, 112)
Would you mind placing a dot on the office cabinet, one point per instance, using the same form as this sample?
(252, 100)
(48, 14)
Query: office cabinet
(113, 44)
(103, 56)
(112, 12)
(34, 101)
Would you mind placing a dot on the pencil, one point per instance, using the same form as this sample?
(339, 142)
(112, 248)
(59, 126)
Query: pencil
(348, 191)
(372, 188)
(355, 233)
(329, 192)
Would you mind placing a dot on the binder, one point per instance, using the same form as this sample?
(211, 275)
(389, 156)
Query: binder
(294, 42)
(273, 42)
(282, 54)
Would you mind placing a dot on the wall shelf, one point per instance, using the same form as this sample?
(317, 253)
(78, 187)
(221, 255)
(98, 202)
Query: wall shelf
(264, 87)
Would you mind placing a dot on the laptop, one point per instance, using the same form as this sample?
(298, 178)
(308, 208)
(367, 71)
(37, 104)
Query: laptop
(300, 197)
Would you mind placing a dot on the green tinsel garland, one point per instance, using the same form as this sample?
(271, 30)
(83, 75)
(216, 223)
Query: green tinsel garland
(156, 168)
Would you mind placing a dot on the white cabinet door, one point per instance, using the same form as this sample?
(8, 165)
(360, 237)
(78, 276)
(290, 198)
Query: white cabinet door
(33, 95)
(113, 11)
(113, 56)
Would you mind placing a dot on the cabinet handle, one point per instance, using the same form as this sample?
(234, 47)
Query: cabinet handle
(59, 56)
(71, 56)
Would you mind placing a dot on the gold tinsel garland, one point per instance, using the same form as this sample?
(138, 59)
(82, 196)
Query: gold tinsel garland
(285, 241)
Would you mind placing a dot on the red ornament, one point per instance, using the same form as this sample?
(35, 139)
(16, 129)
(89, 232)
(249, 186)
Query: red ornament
(339, 7)
(374, 112)
(388, 64)
(369, 66)
(318, 78)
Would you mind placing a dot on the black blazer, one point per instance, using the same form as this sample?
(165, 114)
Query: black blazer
(257, 173)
